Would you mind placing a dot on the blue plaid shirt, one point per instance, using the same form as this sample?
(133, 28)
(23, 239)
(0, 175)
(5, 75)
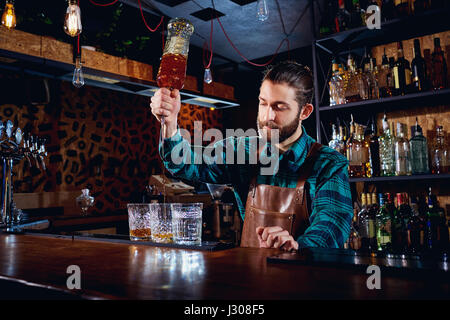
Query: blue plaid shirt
(329, 197)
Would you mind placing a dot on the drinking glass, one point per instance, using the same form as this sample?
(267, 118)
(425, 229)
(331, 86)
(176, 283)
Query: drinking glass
(187, 223)
(139, 221)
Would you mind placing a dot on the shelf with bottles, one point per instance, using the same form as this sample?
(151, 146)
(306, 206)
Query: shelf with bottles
(393, 83)
(388, 155)
(394, 27)
(399, 223)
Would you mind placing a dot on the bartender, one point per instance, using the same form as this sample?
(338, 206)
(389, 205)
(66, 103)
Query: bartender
(306, 202)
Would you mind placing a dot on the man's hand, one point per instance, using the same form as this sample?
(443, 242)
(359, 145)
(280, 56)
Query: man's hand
(166, 103)
(276, 237)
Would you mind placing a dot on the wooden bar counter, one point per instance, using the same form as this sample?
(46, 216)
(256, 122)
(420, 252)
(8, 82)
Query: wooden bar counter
(135, 271)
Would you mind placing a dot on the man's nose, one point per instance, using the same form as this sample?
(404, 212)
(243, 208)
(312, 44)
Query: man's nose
(270, 114)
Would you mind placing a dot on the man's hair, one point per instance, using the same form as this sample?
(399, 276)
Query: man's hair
(296, 76)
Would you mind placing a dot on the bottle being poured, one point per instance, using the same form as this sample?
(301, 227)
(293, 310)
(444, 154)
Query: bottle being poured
(172, 70)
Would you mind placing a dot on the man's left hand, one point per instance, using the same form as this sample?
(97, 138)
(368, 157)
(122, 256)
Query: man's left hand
(276, 237)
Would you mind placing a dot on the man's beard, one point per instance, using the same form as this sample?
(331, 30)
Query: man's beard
(284, 132)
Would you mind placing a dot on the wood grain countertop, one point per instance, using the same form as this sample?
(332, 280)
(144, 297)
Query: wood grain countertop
(134, 271)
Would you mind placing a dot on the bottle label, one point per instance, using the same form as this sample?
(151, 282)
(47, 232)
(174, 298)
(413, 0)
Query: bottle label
(396, 78)
(408, 76)
(372, 230)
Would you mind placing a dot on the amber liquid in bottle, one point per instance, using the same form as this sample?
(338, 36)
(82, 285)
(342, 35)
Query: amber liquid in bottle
(172, 71)
(141, 233)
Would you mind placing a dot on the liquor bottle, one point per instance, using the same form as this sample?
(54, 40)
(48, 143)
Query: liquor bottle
(334, 142)
(354, 239)
(357, 15)
(419, 151)
(372, 215)
(387, 151)
(421, 6)
(440, 155)
(355, 153)
(401, 8)
(374, 149)
(443, 232)
(342, 139)
(364, 153)
(327, 26)
(336, 85)
(415, 228)
(418, 70)
(353, 87)
(402, 72)
(385, 78)
(439, 67)
(387, 10)
(402, 152)
(366, 76)
(374, 92)
(363, 223)
(404, 215)
(342, 19)
(432, 226)
(383, 225)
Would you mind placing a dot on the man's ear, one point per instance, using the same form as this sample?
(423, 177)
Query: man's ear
(306, 111)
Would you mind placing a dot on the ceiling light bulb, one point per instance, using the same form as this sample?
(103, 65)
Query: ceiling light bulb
(9, 16)
(72, 22)
(208, 76)
(262, 10)
(78, 77)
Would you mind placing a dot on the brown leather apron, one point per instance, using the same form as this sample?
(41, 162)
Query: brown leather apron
(269, 206)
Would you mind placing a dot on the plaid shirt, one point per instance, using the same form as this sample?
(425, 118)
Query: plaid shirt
(329, 198)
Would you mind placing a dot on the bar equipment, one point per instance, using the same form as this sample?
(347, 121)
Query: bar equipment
(13, 148)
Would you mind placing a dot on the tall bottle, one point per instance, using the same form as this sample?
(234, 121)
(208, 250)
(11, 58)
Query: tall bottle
(336, 85)
(372, 216)
(440, 155)
(432, 226)
(364, 152)
(439, 67)
(354, 81)
(342, 20)
(404, 215)
(385, 78)
(415, 229)
(342, 140)
(354, 153)
(419, 151)
(418, 70)
(366, 225)
(334, 142)
(401, 8)
(402, 73)
(387, 151)
(374, 149)
(402, 152)
(383, 225)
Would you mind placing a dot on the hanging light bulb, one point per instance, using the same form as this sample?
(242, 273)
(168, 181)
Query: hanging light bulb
(72, 22)
(78, 78)
(207, 76)
(9, 15)
(262, 10)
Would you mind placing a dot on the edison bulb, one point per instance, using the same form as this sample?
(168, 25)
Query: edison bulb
(262, 10)
(9, 16)
(72, 22)
(207, 77)
(78, 77)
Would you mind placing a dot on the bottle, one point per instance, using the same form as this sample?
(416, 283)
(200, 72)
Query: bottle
(374, 91)
(401, 8)
(354, 146)
(443, 232)
(404, 215)
(420, 6)
(364, 153)
(354, 240)
(402, 153)
(432, 226)
(419, 151)
(387, 151)
(372, 215)
(418, 69)
(357, 15)
(439, 67)
(342, 140)
(440, 156)
(402, 73)
(353, 89)
(172, 70)
(342, 19)
(387, 10)
(386, 78)
(363, 223)
(366, 76)
(336, 85)
(374, 149)
(334, 142)
(415, 229)
(383, 225)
